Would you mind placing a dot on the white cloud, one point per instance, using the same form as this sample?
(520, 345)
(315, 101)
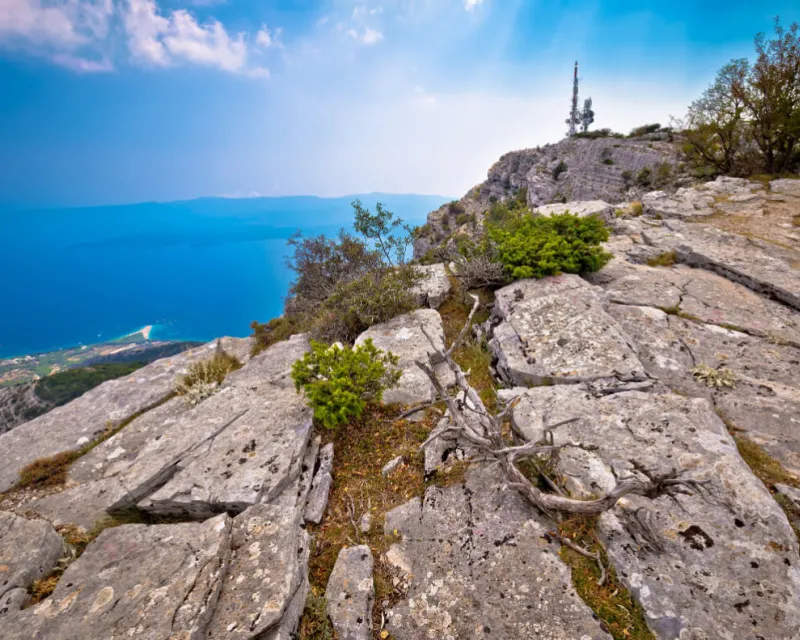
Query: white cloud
(470, 5)
(368, 36)
(77, 34)
(84, 65)
(266, 38)
(57, 29)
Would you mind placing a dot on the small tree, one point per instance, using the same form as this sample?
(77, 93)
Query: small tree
(340, 381)
(772, 95)
(715, 126)
(379, 227)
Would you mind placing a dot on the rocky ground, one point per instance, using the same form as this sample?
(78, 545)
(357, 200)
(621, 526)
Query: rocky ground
(681, 355)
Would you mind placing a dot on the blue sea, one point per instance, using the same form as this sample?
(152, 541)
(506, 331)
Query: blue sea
(195, 270)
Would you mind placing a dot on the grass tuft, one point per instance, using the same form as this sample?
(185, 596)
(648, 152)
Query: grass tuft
(666, 259)
(612, 602)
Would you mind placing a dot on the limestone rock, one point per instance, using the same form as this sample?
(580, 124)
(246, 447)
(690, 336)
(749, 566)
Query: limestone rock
(251, 460)
(765, 400)
(390, 466)
(479, 564)
(264, 573)
(404, 338)
(787, 187)
(80, 421)
(790, 493)
(320, 486)
(29, 550)
(273, 365)
(707, 297)
(159, 581)
(721, 567)
(581, 209)
(434, 287)
(350, 594)
(557, 330)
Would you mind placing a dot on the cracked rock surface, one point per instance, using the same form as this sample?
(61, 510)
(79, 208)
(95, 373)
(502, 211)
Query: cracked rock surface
(82, 420)
(479, 564)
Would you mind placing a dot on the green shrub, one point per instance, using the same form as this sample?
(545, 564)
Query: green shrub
(645, 177)
(61, 387)
(538, 246)
(666, 259)
(663, 175)
(627, 178)
(276, 330)
(560, 168)
(463, 219)
(608, 161)
(355, 306)
(456, 208)
(644, 130)
(340, 381)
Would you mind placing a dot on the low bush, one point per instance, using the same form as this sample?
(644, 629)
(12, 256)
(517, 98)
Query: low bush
(666, 259)
(456, 208)
(464, 218)
(204, 376)
(340, 381)
(644, 130)
(375, 297)
(608, 161)
(644, 178)
(538, 246)
(276, 330)
(560, 168)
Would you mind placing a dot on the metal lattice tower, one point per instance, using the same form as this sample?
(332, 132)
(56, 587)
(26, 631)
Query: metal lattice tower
(574, 114)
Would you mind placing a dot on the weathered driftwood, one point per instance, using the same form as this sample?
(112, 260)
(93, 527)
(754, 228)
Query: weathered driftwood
(483, 430)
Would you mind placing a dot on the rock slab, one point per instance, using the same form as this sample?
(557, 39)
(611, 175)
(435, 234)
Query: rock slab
(350, 594)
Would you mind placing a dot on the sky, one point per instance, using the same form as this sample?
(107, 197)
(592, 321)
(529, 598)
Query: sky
(119, 101)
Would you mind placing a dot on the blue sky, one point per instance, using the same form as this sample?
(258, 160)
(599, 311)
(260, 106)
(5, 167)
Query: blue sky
(114, 101)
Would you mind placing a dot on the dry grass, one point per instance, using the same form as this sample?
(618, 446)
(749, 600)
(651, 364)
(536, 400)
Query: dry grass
(612, 602)
(53, 470)
(666, 259)
(205, 376)
(361, 449)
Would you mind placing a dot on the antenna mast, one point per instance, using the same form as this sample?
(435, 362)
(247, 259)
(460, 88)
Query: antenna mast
(574, 114)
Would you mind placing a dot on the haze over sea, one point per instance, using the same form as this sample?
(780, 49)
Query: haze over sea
(195, 270)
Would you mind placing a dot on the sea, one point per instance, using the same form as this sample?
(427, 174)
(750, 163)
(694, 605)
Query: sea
(193, 270)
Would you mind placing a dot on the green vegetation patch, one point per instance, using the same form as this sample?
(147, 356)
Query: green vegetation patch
(612, 602)
(666, 259)
(340, 381)
(64, 386)
(539, 246)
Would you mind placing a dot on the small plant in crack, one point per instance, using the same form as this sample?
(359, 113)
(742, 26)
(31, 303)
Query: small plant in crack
(715, 378)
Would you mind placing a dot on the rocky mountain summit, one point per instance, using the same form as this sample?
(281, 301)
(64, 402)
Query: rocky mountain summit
(237, 517)
(611, 169)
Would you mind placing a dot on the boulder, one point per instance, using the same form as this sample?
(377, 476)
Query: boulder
(788, 187)
(404, 338)
(479, 563)
(29, 550)
(434, 287)
(79, 422)
(765, 399)
(685, 203)
(250, 461)
(707, 297)
(320, 486)
(714, 564)
(556, 330)
(581, 209)
(265, 571)
(350, 593)
(159, 581)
